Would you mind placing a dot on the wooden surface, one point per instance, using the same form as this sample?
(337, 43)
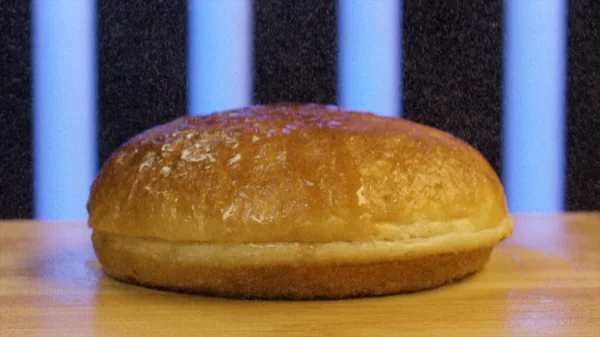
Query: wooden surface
(544, 281)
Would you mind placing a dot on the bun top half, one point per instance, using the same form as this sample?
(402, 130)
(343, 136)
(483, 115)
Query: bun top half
(294, 173)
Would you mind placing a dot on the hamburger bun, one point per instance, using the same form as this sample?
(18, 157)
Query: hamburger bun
(295, 201)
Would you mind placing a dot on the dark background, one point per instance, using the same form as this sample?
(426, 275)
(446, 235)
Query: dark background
(452, 69)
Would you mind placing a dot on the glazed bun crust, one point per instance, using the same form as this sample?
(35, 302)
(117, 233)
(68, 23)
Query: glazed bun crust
(294, 173)
(286, 175)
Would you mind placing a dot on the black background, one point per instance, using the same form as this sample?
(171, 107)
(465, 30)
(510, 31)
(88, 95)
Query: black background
(452, 66)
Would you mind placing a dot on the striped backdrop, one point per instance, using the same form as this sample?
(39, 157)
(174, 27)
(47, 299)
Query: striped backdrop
(453, 73)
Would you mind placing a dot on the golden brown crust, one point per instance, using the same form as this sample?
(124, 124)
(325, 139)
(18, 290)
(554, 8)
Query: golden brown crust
(299, 280)
(294, 173)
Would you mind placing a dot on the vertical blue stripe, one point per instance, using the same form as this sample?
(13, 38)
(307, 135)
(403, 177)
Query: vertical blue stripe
(534, 105)
(64, 107)
(369, 60)
(219, 55)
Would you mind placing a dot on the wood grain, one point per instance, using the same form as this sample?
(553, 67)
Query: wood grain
(543, 281)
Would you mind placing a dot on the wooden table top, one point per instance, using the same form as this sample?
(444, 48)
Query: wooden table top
(543, 281)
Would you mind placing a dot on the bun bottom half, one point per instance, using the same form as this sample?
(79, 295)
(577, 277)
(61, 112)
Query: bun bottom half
(294, 270)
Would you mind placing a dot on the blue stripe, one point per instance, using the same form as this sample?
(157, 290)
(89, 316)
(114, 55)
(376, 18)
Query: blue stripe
(534, 105)
(219, 55)
(64, 105)
(369, 60)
